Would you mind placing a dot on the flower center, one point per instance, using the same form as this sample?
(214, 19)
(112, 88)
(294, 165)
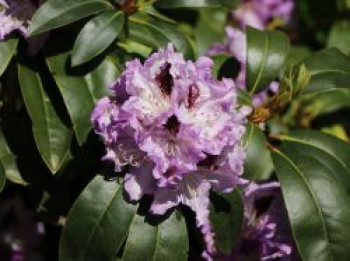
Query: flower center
(173, 125)
(165, 80)
(209, 162)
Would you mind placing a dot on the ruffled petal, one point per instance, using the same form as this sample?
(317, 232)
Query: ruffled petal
(195, 194)
(139, 182)
(164, 199)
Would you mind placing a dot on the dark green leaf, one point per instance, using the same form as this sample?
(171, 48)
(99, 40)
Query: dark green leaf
(97, 224)
(258, 164)
(7, 50)
(195, 3)
(226, 215)
(157, 33)
(340, 36)
(52, 137)
(81, 92)
(8, 165)
(96, 36)
(56, 13)
(329, 69)
(267, 52)
(166, 241)
(313, 169)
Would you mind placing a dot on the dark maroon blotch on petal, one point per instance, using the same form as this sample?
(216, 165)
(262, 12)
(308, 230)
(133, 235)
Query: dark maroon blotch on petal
(165, 80)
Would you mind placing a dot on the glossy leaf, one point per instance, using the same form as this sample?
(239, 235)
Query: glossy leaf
(8, 165)
(329, 69)
(97, 224)
(313, 170)
(96, 36)
(7, 51)
(56, 13)
(158, 34)
(226, 215)
(52, 137)
(339, 36)
(195, 3)
(166, 241)
(267, 52)
(81, 92)
(258, 164)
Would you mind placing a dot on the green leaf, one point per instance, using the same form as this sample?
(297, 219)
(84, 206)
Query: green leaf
(329, 69)
(158, 34)
(97, 224)
(52, 137)
(56, 13)
(135, 48)
(8, 165)
(225, 66)
(256, 148)
(7, 51)
(96, 36)
(195, 3)
(81, 92)
(210, 28)
(313, 170)
(226, 215)
(243, 98)
(339, 36)
(166, 241)
(320, 103)
(267, 52)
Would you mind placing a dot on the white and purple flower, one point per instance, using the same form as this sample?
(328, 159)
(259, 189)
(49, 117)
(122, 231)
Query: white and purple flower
(178, 129)
(259, 13)
(266, 233)
(15, 16)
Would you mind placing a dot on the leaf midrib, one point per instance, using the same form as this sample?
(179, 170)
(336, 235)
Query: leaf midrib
(93, 230)
(326, 233)
(263, 63)
(291, 139)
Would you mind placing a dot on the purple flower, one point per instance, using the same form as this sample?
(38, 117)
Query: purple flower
(259, 13)
(15, 16)
(179, 129)
(266, 234)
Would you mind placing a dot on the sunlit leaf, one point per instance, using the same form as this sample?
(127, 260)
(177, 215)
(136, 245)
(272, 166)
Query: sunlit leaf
(52, 137)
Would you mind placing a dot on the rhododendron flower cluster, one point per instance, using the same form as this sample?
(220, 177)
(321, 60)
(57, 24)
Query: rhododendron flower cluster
(180, 131)
(266, 234)
(14, 16)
